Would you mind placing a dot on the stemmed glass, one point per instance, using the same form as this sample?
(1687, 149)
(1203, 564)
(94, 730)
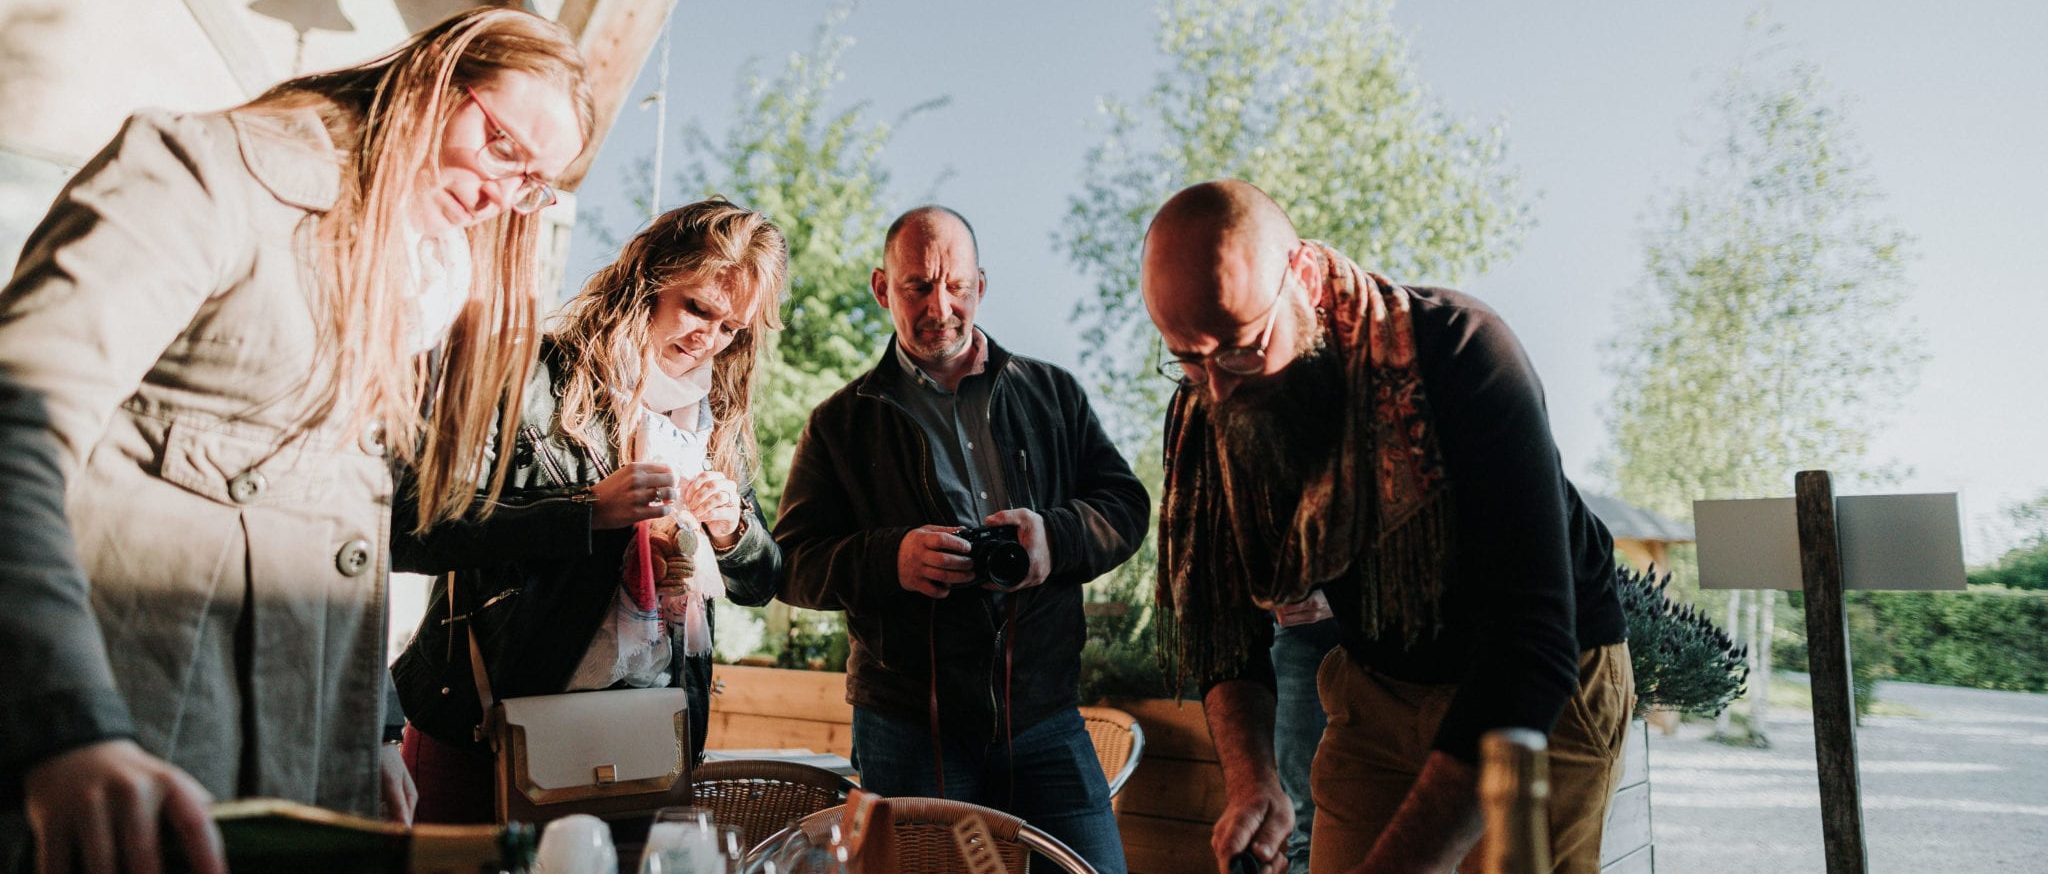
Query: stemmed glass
(797, 853)
(685, 840)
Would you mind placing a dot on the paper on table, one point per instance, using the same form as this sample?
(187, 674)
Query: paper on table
(837, 764)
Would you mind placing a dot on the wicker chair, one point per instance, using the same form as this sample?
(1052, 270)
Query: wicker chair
(924, 837)
(760, 797)
(1119, 744)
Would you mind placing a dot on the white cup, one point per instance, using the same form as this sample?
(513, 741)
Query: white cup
(577, 844)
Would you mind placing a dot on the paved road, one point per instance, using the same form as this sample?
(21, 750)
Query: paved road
(1963, 787)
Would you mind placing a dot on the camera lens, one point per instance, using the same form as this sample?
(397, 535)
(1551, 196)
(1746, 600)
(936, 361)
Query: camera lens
(1006, 563)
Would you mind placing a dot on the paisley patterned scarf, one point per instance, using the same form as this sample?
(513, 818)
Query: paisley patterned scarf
(1378, 507)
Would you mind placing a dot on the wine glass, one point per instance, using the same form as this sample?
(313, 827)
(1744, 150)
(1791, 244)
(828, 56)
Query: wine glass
(684, 840)
(797, 852)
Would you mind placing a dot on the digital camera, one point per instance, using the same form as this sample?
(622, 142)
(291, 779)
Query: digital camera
(998, 557)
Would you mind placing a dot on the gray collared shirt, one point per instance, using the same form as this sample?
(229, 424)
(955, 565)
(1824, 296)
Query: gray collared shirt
(965, 459)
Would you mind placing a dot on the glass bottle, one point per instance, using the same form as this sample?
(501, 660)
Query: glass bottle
(1514, 790)
(263, 834)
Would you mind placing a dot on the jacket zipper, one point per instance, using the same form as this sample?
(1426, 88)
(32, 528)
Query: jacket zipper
(544, 455)
(933, 503)
(937, 506)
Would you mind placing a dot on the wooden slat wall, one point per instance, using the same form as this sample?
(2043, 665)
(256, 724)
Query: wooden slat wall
(766, 707)
(1166, 809)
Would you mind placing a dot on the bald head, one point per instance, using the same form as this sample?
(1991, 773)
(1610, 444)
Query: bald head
(1214, 257)
(929, 217)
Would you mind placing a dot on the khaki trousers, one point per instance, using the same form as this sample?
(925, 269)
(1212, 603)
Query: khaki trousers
(1379, 735)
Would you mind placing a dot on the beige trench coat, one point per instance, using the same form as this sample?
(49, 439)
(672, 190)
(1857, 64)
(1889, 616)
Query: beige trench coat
(162, 311)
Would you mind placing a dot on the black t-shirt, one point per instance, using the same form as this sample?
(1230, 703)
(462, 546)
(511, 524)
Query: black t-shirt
(1531, 580)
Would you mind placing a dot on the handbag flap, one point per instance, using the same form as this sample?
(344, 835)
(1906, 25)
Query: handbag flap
(570, 737)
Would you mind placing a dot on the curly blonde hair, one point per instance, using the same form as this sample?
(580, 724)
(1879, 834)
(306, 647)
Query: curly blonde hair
(602, 331)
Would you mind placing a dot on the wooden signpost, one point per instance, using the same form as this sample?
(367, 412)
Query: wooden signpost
(1827, 656)
(1823, 545)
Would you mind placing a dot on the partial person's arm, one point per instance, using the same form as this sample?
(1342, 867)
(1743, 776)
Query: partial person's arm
(1514, 542)
(753, 566)
(830, 561)
(1437, 824)
(551, 527)
(63, 695)
(1257, 814)
(1104, 522)
(127, 255)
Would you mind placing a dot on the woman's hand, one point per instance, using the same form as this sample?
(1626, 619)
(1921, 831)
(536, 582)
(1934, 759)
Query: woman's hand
(638, 490)
(401, 794)
(109, 806)
(715, 501)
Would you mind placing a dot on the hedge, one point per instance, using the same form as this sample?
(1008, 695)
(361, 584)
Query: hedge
(1990, 637)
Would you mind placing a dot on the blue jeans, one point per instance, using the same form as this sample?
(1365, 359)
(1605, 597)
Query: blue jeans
(1298, 721)
(1058, 783)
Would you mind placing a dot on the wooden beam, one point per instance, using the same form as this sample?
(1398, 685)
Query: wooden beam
(615, 37)
(229, 32)
(1827, 654)
(575, 15)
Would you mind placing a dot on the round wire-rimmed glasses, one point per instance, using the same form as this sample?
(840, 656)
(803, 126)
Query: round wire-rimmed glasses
(503, 155)
(1239, 360)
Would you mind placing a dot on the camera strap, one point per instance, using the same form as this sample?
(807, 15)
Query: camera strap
(1009, 708)
(1009, 714)
(931, 642)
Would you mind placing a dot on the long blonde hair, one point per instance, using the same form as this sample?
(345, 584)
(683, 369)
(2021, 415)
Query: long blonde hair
(386, 116)
(602, 331)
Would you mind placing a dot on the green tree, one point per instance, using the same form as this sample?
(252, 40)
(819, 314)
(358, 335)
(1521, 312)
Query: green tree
(2025, 566)
(820, 175)
(1318, 103)
(1764, 337)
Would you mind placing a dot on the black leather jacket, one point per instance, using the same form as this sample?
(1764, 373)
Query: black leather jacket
(536, 581)
(862, 477)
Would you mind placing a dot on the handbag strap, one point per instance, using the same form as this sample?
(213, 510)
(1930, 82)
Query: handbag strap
(479, 674)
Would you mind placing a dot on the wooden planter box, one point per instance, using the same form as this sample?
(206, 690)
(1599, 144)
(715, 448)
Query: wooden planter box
(1166, 809)
(1625, 846)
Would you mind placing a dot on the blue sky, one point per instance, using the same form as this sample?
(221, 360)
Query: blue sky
(1602, 102)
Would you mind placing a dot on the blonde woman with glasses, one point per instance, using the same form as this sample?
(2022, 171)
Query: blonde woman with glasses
(216, 343)
(640, 412)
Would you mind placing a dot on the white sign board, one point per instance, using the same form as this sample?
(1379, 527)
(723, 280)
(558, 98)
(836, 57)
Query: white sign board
(1888, 542)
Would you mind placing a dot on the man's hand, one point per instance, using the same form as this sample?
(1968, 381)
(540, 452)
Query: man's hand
(101, 807)
(1256, 812)
(715, 501)
(1259, 818)
(400, 793)
(932, 560)
(637, 490)
(1031, 536)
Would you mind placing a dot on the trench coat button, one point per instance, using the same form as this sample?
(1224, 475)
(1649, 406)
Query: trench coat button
(373, 438)
(354, 557)
(249, 486)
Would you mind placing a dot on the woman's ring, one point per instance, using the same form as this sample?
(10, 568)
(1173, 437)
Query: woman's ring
(665, 495)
